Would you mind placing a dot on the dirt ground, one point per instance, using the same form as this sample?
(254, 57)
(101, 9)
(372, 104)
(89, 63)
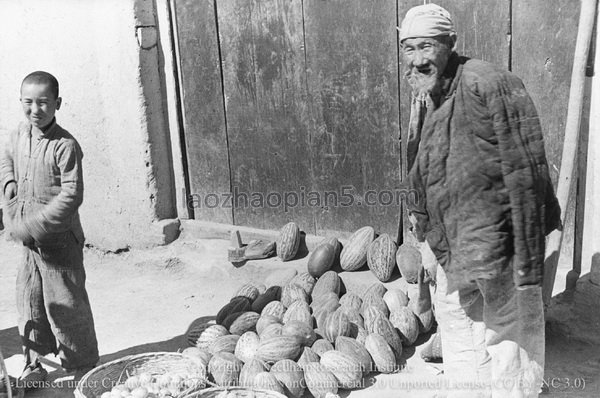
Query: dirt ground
(145, 300)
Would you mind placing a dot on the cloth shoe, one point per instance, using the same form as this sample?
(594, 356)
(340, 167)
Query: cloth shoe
(33, 376)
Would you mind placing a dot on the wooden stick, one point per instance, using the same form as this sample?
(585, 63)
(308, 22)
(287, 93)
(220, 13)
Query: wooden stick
(587, 16)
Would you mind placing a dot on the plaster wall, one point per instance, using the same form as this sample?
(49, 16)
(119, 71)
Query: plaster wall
(105, 54)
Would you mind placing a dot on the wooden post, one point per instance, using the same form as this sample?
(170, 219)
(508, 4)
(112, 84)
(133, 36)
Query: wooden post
(584, 35)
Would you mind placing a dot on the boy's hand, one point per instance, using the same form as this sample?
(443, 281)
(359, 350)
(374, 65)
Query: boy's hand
(10, 191)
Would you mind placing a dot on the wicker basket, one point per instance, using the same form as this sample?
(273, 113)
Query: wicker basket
(104, 377)
(239, 392)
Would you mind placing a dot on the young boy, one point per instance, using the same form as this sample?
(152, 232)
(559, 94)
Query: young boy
(42, 182)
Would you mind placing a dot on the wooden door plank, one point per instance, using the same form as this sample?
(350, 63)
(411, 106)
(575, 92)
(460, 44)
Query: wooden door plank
(265, 90)
(203, 113)
(544, 36)
(351, 52)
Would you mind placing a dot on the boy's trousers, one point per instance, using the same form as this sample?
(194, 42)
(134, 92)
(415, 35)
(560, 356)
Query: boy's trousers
(53, 306)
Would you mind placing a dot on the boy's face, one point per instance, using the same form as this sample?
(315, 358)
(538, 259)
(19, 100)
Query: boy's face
(39, 103)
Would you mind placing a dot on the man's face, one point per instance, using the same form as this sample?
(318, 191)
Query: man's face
(39, 103)
(426, 58)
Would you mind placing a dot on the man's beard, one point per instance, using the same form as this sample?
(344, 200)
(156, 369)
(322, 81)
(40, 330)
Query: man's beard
(424, 84)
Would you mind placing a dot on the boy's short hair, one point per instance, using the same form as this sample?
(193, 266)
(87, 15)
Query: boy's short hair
(41, 77)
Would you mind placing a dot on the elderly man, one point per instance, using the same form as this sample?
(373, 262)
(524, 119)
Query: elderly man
(476, 157)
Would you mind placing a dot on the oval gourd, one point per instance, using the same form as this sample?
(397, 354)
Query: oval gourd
(407, 324)
(345, 368)
(246, 346)
(280, 347)
(321, 260)
(356, 350)
(319, 380)
(382, 354)
(328, 282)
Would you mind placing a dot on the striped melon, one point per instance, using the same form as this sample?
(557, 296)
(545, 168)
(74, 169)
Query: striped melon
(308, 355)
(264, 321)
(377, 302)
(319, 380)
(302, 329)
(271, 294)
(291, 293)
(369, 315)
(298, 311)
(306, 281)
(382, 354)
(274, 308)
(356, 350)
(209, 335)
(329, 300)
(244, 323)
(354, 253)
(246, 346)
(375, 289)
(225, 369)
(345, 368)
(195, 331)
(336, 325)
(395, 299)
(267, 381)
(224, 344)
(249, 291)
(328, 282)
(288, 241)
(409, 261)
(321, 346)
(291, 376)
(383, 327)
(351, 300)
(251, 369)
(405, 321)
(381, 257)
(280, 347)
(273, 330)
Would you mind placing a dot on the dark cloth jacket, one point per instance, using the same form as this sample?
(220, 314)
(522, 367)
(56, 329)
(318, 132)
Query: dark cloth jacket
(49, 178)
(486, 200)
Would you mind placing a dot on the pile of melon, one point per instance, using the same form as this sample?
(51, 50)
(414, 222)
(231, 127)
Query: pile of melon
(306, 334)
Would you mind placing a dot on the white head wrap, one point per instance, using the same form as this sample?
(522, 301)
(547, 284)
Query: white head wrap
(428, 20)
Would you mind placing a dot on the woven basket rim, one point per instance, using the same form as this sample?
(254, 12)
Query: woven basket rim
(128, 358)
(269, 393)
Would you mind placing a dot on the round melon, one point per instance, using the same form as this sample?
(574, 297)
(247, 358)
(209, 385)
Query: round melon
(288, 241)
(381, 257)
(409, 260)
(354, 253)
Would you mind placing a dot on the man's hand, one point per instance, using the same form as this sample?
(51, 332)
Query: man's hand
(10, 191)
